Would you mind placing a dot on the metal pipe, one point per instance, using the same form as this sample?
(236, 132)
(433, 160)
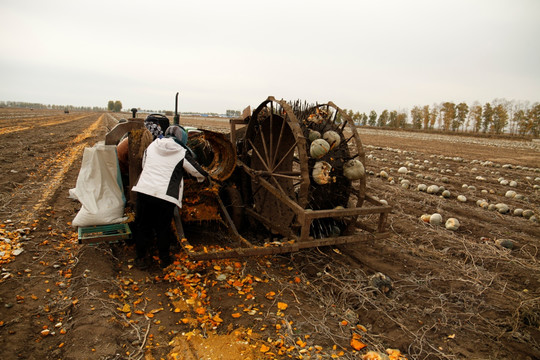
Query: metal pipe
(176, 119)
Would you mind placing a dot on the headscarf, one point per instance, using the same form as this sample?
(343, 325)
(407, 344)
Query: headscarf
(177, 132)
(154, 128)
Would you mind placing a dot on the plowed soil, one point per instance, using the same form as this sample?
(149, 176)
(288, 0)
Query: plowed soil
(449, 294)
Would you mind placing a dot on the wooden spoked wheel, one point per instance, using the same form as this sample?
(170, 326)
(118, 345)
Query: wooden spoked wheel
(328, 117)
(275, 151)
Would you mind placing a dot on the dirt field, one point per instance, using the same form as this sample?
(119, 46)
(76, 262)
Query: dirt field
(453, 294)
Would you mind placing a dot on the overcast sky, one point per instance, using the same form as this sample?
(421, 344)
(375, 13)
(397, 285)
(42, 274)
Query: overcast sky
(362, 55)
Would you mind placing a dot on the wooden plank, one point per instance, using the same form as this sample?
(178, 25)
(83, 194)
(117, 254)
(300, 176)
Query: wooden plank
(339, 213)
(284, 248)
(230, 224)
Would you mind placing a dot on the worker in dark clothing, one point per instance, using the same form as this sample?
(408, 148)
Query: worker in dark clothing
(160, 188)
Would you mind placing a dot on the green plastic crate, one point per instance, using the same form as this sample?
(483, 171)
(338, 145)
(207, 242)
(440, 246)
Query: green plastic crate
(101, 233)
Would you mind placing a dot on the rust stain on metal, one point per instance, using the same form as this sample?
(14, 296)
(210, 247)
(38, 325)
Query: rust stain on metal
(215, 153)
(200, 203)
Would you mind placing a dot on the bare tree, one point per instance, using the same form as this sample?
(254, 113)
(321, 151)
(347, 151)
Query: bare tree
(475, 114)
(487, 117)
(435, 116)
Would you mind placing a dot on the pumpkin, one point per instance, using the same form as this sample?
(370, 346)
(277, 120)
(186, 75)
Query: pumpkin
(354, 170)
(452, 224)
(316, 118)
(435, 219)
(381, 282)
(332, 138)
(527, 214)
(483, 204)
(502, 208)
(319, 148)
(321, 172)
(314, 135)
(373, 355)
(506, 243)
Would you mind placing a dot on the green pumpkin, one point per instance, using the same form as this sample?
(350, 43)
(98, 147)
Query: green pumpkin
(319, 148)
(314, 135)
(354, 170)
(332, 138)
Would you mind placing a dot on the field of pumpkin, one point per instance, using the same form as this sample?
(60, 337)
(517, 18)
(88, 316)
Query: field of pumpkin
(458, 278)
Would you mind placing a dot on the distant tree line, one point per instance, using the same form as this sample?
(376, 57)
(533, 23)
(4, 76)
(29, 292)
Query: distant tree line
(29, 105)
(232, 113)
(196, 113)
(112, 105)
(496, 117)
(115, 106)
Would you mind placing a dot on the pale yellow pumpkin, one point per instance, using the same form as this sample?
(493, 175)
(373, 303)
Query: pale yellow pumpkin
(321, 172)
(452, 224)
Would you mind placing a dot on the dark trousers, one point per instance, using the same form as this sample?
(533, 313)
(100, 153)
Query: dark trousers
(153, 216)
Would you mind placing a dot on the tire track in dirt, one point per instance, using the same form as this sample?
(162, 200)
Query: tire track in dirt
(16, 128)
(50, 166)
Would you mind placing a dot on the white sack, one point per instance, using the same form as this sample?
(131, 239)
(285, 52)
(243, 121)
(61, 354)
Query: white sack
(99, 188)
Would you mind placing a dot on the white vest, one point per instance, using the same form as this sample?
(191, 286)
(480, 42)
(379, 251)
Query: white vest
(164, 163)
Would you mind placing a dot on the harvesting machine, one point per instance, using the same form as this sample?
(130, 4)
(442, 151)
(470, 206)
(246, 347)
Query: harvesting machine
(294, 168)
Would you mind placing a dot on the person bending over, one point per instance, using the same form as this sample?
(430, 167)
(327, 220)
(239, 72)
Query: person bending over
(159, 190)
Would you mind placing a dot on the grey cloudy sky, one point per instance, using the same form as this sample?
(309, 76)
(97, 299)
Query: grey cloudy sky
(363, 55)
